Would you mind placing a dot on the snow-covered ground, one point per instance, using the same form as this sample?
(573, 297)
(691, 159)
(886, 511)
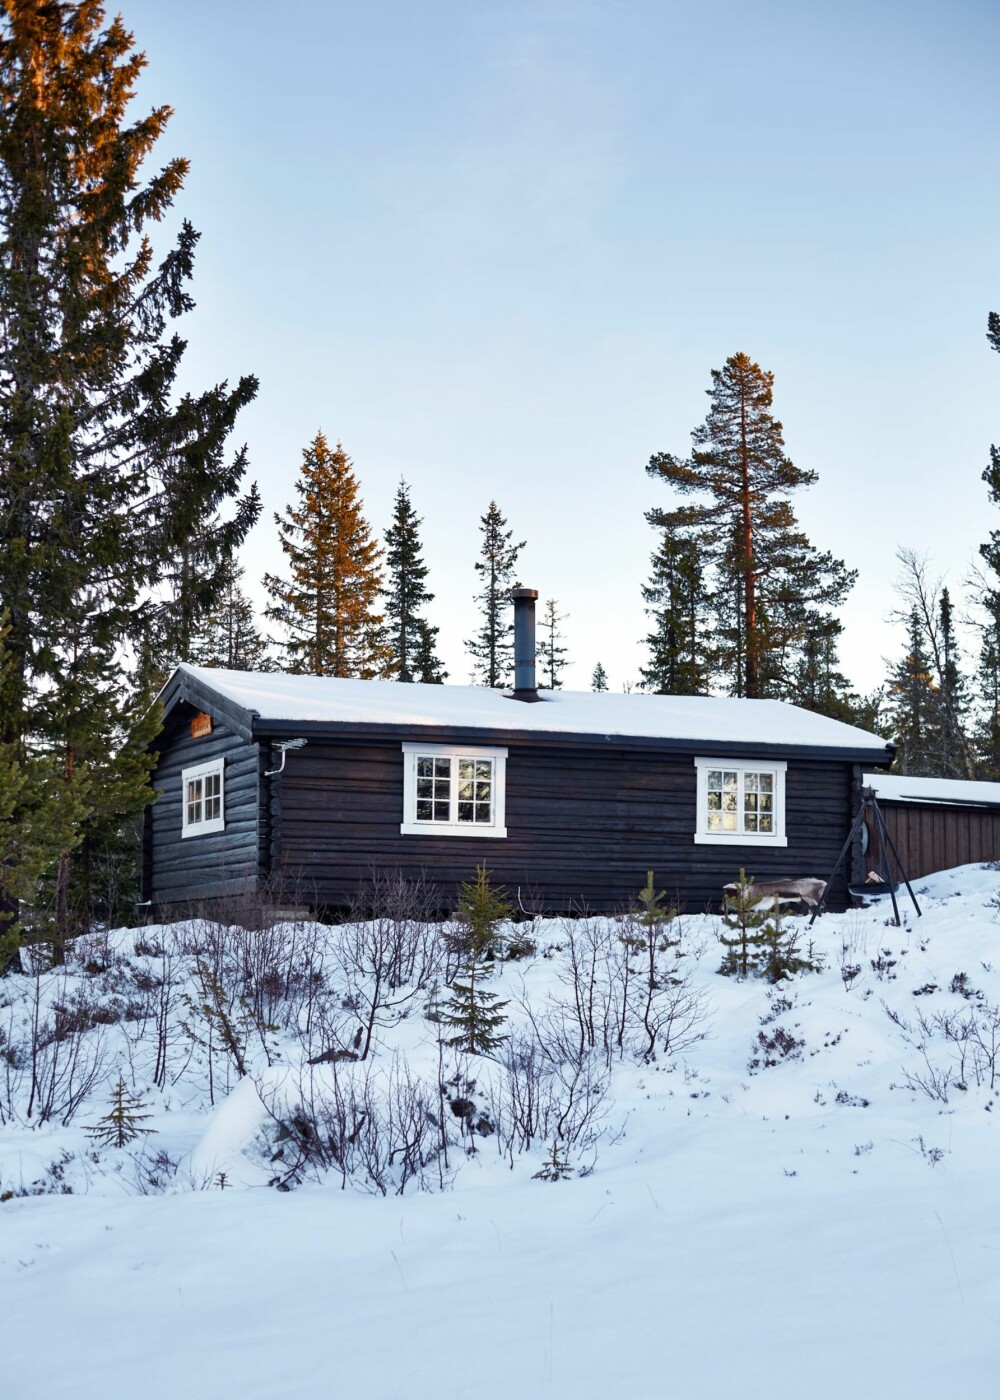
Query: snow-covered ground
(819, 1227)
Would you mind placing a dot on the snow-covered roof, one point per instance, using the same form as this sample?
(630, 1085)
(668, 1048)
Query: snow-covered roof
(893, 788)
(301, 699)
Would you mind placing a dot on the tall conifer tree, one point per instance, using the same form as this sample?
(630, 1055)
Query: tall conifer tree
(599, 680)
(492, 648)
(767, 581)
(550, 650)
(913, 705)
(227, 636)
(677, 605)
(327, 607)
(409, 633)
(106, 480)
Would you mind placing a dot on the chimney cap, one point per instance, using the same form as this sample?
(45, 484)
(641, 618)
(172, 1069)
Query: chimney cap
(524, 592)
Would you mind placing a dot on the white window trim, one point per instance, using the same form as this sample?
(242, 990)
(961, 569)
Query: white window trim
(411, 827)
(203, 770)
(704, 837)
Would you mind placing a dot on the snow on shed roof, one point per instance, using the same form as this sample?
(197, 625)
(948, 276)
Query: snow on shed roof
(896, 788)
(295, 699)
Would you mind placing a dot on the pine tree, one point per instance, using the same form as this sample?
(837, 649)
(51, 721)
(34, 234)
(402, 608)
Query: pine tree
(677, 603)
(492, 648)
(123, 1124)
(412, 637)
(327, 608)
(599, 680)
(766, 582)
(227, 635)
(550, 651)
(987, 732)
(110, 489)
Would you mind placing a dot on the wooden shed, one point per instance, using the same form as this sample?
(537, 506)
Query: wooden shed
(304, 785)
(935, 823)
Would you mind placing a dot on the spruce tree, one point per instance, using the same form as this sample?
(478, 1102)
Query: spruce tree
(327, 607)
(746, 917)
(227, 635)
(676, 603)
(123, 1123)
(550, 650)
(411, 636)
(766, 582)
(110, 486)
(492, 648)
(913, 706)
(475, 1015)
(599, 680)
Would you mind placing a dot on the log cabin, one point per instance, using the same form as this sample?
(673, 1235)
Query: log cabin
(302, 786)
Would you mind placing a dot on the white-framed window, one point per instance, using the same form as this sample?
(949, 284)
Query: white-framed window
(203, 799)
(453, 791)
(741, 802)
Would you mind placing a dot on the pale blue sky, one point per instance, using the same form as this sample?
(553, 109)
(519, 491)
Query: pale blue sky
(497, 248)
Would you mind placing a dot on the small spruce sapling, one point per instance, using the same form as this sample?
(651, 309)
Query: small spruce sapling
(745, 915)
(475, 1014)
(554, 1168)
(123, 1124)
(780, 956)
(482, 909)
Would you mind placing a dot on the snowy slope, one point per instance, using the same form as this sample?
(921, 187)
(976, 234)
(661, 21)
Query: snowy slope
(823, 1227)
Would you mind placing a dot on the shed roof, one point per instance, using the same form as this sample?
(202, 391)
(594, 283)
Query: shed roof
(696, 719)
(940, 791)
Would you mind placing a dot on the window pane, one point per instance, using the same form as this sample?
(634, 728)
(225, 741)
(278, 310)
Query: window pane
(465, 811)
(442, 768)
(484, 768)
(425, 767)
(441, 811)
(714, 821)
(765, 802)
(194, 801)
(425, 787)
(483, 812)
(729, 780)
(765, 823)
(213, 796)
(466, 768)
(423, 810)
(715, 778)
(465, 790)
(729, 802)
(714, 801)
(767, 782)
(750, 822)
(750, 782)
(750, 802)
(482, 792)
(729, 821)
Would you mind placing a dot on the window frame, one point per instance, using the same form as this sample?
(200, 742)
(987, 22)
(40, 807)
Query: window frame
(742, 766)
(493, 830)
(212, 767)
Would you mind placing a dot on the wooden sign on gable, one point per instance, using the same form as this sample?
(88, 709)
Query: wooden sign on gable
(201, 725)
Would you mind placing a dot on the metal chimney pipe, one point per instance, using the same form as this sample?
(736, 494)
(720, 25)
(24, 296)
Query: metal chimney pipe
(524, 644)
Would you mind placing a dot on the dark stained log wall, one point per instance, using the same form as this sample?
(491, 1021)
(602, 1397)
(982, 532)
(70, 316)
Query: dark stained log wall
(932, 838)
(584, 824)
(222, 864)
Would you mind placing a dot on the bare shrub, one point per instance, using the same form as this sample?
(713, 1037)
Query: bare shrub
(65, 1063)
(372, 1127)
